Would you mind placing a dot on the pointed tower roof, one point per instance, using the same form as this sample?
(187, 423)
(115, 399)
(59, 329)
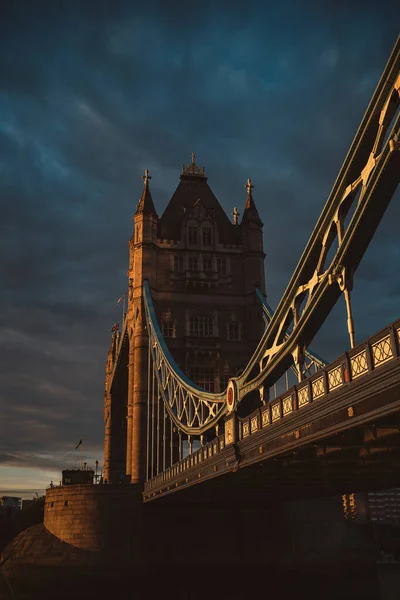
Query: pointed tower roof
(250, 210)
(192, 188)
(145, 204)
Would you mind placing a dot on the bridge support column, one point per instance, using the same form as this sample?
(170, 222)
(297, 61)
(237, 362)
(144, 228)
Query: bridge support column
(139, 404)
(129, 424)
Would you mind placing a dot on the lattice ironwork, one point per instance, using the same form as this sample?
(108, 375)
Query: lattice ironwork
(188, 405)
(287, 405)
(265, 418)
(254, 424)
(313, 362)
(276, 412)
(302, 396)
(381, 351)
(335, 378)
(359, 364)
(318, 389)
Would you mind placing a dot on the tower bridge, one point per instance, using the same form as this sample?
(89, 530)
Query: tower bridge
(195, 431)
(191, 375)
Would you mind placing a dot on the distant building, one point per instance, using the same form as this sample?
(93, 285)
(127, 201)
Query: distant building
(26, 503)
(384, 506)
(381, 506)
(14, 502)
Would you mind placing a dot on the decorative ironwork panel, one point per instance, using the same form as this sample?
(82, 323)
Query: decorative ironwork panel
(229, 432)
(254, 424)
(245, 429)
(189, 406)
(302, 396)
(265, 418)
(359, 364)
(381, 351)
(276, 412)
(335, 378)
(318, 389)
(287, 406)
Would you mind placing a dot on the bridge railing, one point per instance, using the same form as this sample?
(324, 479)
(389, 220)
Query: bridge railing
(379, 349)
(358, 362)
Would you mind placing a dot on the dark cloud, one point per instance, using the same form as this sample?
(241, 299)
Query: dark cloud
(93, 93)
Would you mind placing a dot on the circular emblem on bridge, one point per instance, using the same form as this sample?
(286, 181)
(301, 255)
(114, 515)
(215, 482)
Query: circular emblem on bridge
(231, 396)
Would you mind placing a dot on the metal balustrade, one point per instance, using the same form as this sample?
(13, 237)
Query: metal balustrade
(323, 386)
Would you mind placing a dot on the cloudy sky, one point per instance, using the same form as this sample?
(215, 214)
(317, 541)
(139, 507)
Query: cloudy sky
(91, 94)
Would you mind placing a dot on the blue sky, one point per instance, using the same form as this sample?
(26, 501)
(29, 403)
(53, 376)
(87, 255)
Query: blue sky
(91, 94)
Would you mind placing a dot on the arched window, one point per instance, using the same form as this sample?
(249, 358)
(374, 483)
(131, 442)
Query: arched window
(168, 324)
(207, 264)
(234, 328)
(222, 265)
(167, 328)
(178, 263)
(192, 234)
(203, 376)
(201, 325)
(206, 235)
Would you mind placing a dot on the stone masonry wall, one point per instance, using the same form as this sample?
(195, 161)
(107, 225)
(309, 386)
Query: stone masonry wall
(98, 518)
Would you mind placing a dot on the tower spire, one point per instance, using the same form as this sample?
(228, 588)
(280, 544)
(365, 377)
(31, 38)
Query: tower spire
(145, 204)
(250, 210)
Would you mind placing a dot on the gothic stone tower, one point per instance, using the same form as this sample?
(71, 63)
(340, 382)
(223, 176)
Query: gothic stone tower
(202, 270)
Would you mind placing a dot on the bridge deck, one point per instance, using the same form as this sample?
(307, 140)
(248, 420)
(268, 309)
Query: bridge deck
(336, 432)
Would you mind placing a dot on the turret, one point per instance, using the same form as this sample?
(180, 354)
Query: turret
(142, 265)
(251, 225)
(252, 240)
(145, 218)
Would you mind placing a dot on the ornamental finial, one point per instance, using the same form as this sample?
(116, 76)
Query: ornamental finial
(146, 177)
(249, 186)
(192, 158)
(235, 215)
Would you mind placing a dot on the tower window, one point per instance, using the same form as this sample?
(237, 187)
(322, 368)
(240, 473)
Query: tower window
(206, 236)
(167, 324)
(193, 263)
(178, 264)
(233, 329)
(203, 376)
(221, 266)
(192, 234)
(201, 326)
(167, 328)
(207, 264)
